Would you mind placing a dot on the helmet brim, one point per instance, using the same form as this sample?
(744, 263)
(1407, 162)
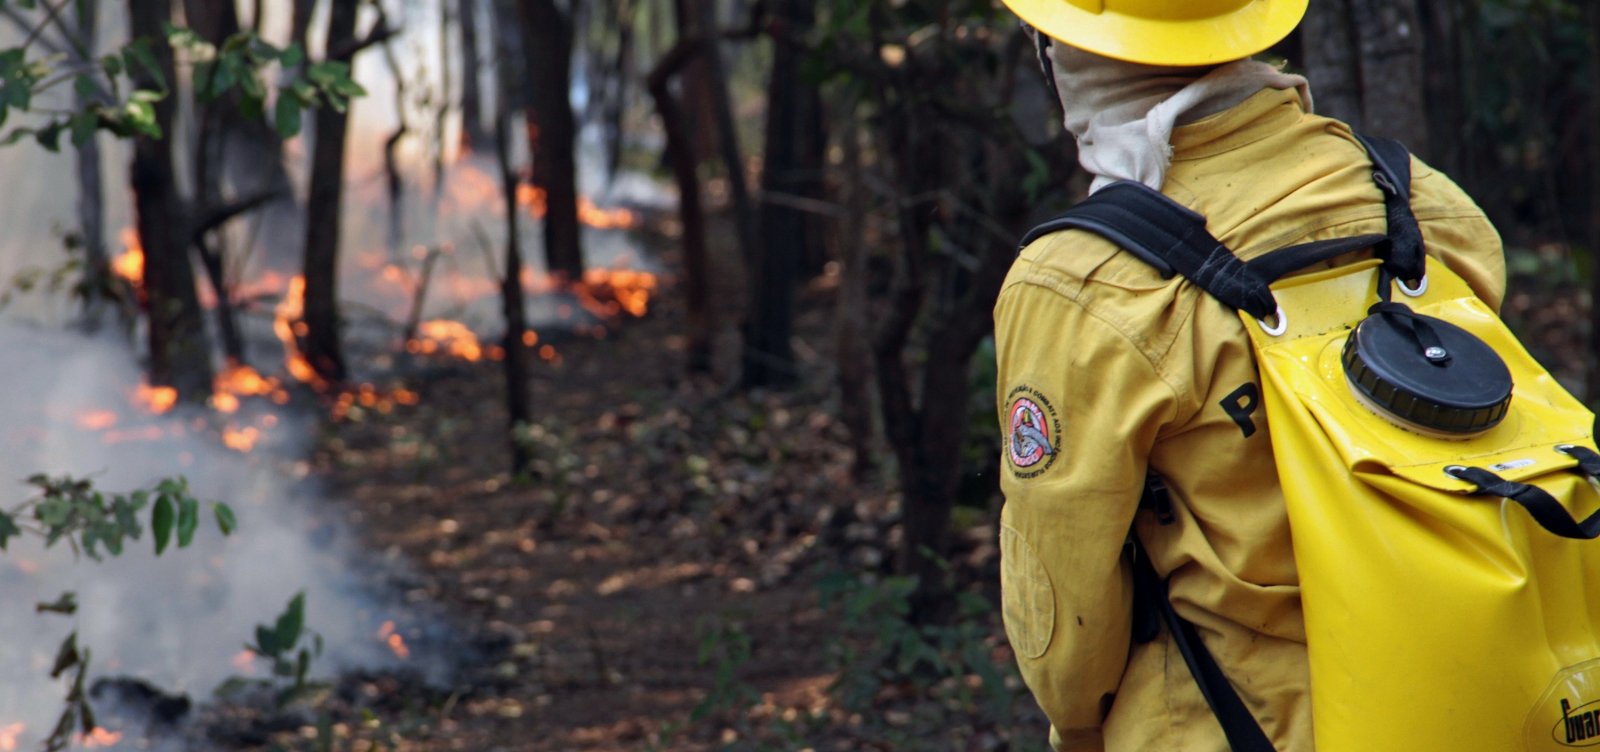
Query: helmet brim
(1185, 42)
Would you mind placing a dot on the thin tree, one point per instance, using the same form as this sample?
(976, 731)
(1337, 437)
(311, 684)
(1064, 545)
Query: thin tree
(681, 156)
(519, 405)
(321, 342)
(473, 133)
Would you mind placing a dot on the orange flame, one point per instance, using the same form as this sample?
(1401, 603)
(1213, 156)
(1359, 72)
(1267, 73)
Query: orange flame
(286, 324)
(157, 399)
(452, 337)
(96, 420)
(535, 201)
(129, 264)
(396, 643)
(8, 736)
(241, 439)
(100, 737)
(244, 661)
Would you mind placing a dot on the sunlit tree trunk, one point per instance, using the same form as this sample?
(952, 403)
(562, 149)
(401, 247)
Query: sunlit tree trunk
(179, 354)
(553, 131)
(321, 343)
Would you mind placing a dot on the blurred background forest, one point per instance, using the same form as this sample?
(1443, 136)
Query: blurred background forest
(601, 375)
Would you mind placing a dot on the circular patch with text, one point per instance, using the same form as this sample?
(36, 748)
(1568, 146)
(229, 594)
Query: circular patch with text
(1032, 432)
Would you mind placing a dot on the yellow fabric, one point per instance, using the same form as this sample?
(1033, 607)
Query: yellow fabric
(1130, 370)
(1434, 621)
(1165, 32)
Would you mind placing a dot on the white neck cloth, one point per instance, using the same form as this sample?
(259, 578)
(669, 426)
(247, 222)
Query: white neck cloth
(1122, 114)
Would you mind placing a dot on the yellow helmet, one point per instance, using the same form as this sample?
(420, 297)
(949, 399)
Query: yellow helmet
(1164, 32)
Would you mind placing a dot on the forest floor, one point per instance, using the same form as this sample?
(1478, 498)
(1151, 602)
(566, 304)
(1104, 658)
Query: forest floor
(660, 583)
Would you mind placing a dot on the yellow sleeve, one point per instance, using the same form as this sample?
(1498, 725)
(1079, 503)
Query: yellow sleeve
(1456, 230)
(1080, 406)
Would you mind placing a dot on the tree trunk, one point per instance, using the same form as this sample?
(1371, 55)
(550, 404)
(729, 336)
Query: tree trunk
(553, 132)
(321, 341)
(767, 356)
(851, 332)
(473, 134)
(699, 103)
(300, 23)
(1449, 118)
(744, 215)
(97, 278)
(179, 354)
(1594, 204)
(680, 153)
(1332, 64)
(519, 408)
(1392, 85)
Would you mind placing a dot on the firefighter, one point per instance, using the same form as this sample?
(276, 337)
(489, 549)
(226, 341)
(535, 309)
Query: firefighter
(1107, 371)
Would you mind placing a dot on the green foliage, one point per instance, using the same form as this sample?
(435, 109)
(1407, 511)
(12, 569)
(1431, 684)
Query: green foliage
(243, 66)
(290, 648)
(72, 509)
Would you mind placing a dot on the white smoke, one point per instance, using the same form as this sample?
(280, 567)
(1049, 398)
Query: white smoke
(179, 620)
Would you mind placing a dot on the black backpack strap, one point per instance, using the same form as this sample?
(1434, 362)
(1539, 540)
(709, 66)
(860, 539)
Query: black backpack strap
(1170, 237)
(1244, 734)
(1391, 170)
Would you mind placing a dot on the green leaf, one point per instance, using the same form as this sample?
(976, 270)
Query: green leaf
(137, 55)
(286, 116)
(85, 87)
(66, 656)
(161, 519)
(126, 514)
(66, 604)
(53, 512)
(112, 65)
(293, 619)
(266, 642)
(8, 529)
(188, 521)
(292, 56)
(50, 136)
(226, 522)
(82, 125)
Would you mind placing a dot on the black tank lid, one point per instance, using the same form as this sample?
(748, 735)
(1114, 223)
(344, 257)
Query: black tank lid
(1464, 390)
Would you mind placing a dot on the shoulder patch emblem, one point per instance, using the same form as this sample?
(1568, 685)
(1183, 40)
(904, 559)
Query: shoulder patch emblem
(1032, 432)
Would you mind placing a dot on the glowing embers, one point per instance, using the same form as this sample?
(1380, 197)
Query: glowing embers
(392, 638)
(129, 265)
(155, 399)
(288, 327)
(98, 738)
(445, 336)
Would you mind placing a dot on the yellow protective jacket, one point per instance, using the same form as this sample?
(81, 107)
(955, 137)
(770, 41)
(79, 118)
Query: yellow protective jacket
(1106, 369)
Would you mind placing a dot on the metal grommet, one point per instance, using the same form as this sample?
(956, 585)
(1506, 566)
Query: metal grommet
(1455, 471)
(1413, 292)
(1278, 329)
